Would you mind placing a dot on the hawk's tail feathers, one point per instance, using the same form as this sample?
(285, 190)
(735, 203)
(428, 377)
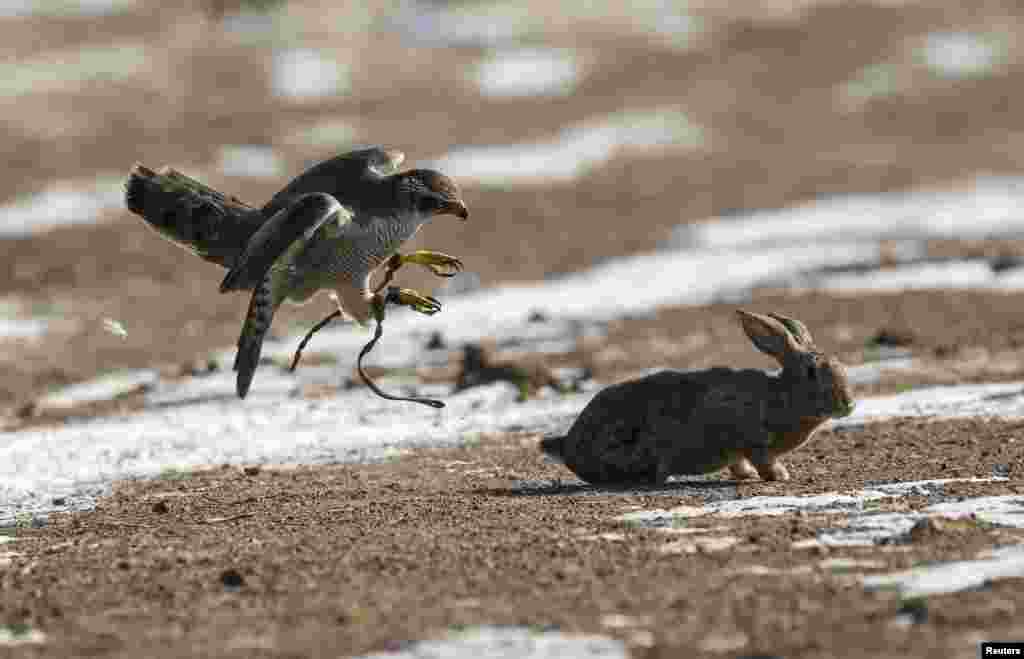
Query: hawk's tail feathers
(554, 447)
(250, 343)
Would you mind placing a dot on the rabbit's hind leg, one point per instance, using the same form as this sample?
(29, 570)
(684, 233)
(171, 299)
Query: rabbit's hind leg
(773, 470)
(743, 469)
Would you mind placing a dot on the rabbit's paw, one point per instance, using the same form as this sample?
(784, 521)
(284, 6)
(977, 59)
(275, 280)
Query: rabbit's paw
(773, 471)
(743, 469)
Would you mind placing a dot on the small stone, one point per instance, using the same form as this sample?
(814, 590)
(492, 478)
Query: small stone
(1002, 262)
(160, 508)
(892, 338)
(26, 410)
(914, 611)
(232, 579)
(252, 470)
(1001, 470)
(436, 341)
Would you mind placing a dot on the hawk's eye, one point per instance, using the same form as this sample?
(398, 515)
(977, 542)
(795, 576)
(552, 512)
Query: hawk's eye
(428, 203)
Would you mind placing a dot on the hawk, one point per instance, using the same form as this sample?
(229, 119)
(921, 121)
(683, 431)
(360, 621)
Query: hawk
(330, 228)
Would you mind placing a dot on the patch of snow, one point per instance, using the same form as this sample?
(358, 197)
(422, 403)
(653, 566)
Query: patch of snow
(251, 161)
(105, 387)
(868, 529)
(1004, 400)
(1003, 510)
(495, 642)
(306, 74)
(251, 26)
(462, 282)
(989, 206)
(23, 319)
(764, 505)
(500, 23)
(60, 71)
(873, 372)
(62, 203)
(951, 275)
(221, 385)
(528, 72)
(337, 133)
(963, 54)
(19, 8)
(865, 527)
(22, 328)
(15, 635)
(669, 20)
(40, 464)
(1011, 279)
(576, 150)
(953, 577)
(616, 288)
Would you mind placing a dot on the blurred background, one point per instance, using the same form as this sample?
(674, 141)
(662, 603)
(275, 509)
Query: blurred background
(578, 131)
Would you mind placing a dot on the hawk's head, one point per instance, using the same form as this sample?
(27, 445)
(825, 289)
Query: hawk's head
(430, 193)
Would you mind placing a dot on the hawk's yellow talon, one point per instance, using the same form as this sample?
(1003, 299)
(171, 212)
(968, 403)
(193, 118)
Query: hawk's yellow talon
(407, 297)
(442, 265)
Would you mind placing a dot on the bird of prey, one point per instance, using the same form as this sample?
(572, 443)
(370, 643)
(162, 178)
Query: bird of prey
(329, 228)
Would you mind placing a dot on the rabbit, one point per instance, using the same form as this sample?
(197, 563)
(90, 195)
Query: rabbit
(697, 422)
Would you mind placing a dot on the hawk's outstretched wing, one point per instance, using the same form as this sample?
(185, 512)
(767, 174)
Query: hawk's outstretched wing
(287, 231)
(351, 178)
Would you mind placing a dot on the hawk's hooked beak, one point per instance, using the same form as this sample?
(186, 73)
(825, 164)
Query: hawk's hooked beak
(456, 208)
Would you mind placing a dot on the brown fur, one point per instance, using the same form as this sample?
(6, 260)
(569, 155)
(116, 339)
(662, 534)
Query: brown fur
(677, 422)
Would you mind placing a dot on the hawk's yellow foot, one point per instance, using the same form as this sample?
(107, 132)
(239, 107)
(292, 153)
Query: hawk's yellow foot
(439, 263)
(404, 297)
(442, 265)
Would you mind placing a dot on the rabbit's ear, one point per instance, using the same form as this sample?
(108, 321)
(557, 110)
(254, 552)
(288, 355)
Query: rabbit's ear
(798, 330)
(769, 335)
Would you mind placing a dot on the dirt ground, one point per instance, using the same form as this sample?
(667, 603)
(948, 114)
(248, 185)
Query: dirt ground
(329, 561)
(350, 559)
